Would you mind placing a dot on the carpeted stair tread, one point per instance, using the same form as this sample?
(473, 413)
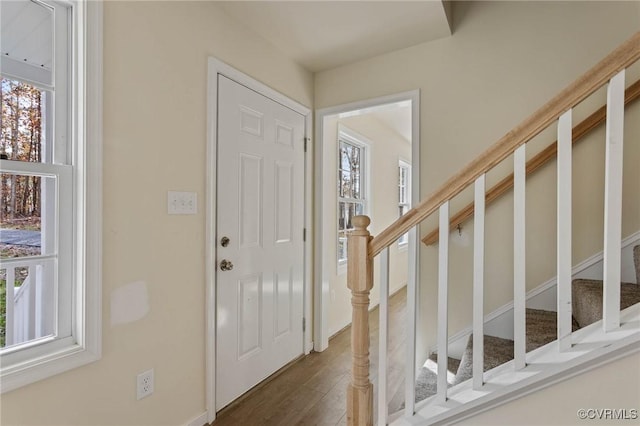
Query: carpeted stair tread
(541, 329)
(586, 296)
(636, 261)
(426, 381)
(497, 351)
(452, 364)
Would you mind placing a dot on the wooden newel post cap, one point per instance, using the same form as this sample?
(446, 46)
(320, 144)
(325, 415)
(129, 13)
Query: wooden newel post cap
(360, 224)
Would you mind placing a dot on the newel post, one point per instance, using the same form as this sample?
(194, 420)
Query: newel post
(360, 282)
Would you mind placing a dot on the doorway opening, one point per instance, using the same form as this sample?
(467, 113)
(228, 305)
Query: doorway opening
(366, 162)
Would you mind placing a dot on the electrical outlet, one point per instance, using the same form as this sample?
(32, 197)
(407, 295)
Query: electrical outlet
(145, 384)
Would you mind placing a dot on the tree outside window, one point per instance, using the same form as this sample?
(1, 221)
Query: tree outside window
(350, 191)
(21, 139)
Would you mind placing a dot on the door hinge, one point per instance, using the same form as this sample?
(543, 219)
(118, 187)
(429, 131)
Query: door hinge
(306, 140)
(304, 325)
(304, 234)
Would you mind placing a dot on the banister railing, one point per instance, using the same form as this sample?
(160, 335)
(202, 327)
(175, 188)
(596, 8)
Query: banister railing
(625, 55)
(543, 157)
(362, 248)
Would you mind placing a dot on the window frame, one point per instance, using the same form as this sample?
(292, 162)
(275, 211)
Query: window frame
(352, 138)
(81, 165)
(403, 241)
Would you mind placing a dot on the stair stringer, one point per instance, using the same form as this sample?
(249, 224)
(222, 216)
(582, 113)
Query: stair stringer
(591, 348)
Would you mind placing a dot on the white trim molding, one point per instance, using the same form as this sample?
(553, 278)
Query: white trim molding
(199, 421)
(321, 300)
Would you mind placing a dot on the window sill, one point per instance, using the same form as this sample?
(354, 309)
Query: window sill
(35, 369)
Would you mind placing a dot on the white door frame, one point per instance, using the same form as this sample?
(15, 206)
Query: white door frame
(322, 272)
(214, 68)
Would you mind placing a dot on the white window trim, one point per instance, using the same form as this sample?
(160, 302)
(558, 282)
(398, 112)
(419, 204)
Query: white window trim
(365, 144)
(85, 345)
(403, 245)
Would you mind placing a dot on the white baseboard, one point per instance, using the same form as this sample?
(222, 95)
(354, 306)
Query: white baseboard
(499, 323)
(201, 420)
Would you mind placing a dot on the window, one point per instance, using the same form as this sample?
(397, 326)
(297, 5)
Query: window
(404, 195)
(49, 179)
(351, 185)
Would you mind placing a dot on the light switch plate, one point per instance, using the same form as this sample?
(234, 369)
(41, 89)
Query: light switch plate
(182, 202)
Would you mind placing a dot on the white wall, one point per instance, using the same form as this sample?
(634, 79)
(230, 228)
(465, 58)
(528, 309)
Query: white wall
(614, 386)
(504, 61)
(155, 85)
(385, 150)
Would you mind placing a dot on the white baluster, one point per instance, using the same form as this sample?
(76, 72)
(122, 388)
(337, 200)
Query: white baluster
(443, 314)
(564, 231)
(384, 337)
(30, 314)
(478, 283)
(412, 312)
(39, 314)
(519, 271)
(10, 320)
(613, 202)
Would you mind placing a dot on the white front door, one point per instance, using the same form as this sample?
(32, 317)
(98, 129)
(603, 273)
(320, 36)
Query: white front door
(260, 212)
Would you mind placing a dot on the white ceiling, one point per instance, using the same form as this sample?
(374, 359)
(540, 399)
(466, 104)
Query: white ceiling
(398, 119)
(317, 34)
(395, 116)
(320, 35)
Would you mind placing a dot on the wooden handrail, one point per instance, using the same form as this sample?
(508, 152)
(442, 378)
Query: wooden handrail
(576, 92)
(579, 131)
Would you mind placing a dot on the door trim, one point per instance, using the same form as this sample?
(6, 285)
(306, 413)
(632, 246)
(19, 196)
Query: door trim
(215, 67)
(321, 287)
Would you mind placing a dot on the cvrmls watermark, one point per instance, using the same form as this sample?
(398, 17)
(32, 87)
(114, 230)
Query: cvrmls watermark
(608, 413)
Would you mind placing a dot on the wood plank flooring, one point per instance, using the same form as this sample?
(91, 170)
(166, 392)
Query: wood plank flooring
(312, 390)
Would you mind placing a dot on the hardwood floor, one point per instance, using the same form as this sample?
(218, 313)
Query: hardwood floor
(312, 390)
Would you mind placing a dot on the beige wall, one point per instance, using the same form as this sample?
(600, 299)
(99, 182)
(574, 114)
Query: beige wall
(155, 84)
(602, 388)
(385, 150)
(504, 60)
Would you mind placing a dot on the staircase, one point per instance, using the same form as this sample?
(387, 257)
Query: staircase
(595, 321)
(587, 298)
(541, 326)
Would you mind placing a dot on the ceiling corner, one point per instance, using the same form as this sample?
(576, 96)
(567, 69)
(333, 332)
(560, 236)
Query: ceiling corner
(447, 6)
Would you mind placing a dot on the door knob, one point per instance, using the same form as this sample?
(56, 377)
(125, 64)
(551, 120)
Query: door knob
(224, 241)
(226, 265)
